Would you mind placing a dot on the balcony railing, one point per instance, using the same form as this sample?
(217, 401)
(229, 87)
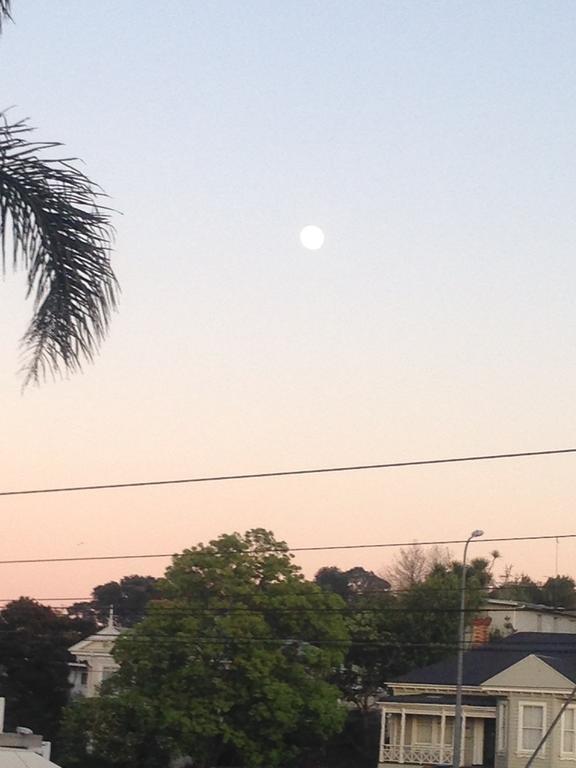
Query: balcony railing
(421, 754)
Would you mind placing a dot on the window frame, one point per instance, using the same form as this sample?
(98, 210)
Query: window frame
(564, 755)
(522, 705)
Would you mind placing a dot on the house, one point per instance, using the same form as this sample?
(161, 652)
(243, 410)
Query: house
(507, 616)
(512, 690)
(94, 661)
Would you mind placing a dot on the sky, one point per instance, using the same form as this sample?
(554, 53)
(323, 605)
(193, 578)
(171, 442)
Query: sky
(435, 145)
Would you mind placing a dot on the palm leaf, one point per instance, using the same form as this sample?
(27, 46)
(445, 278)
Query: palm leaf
(53, 225)
(5, 8)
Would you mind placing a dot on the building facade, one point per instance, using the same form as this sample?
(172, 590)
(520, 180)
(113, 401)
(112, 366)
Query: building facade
(512, 691)
(94, 662)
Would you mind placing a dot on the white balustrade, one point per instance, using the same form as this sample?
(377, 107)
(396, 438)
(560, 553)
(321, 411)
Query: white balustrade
(421, 754)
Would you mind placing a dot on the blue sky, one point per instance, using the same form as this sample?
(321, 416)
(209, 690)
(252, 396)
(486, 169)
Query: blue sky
(433, 142)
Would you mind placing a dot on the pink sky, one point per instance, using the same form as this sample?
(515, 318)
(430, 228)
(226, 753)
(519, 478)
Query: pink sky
(435, 147)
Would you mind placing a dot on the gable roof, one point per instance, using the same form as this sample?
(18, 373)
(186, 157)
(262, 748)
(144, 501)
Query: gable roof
(534, 669)
(100, 642)
(558, 650)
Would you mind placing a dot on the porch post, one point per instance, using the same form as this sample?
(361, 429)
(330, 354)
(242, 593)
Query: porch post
(402, 734)
(442, 732)
(478, 748)
(382, 734)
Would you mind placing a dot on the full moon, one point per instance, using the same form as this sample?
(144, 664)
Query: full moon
(312, 237)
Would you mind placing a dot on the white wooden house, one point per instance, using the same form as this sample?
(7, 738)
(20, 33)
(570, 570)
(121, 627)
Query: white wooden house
(512, 690)
(94, 661)
(509, 616)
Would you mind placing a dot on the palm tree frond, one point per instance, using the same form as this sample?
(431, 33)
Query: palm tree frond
(5, 8)
(52, 223)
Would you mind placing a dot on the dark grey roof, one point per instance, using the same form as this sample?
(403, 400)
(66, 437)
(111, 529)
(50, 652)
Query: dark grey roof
(481, 663)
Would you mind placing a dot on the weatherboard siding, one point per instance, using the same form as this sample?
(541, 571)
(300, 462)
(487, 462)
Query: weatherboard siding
(550, 757)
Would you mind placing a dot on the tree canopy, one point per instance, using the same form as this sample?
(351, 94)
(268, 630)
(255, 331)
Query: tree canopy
(34, 642)
(355, 582)
(230, 666)
(556, 591)
(128, 598)
(392, 632)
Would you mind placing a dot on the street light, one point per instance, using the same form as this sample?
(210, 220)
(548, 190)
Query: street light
(460, 663)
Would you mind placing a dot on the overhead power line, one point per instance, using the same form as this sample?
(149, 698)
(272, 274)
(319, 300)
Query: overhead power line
(224, 612)
(158, 639)
(221, 613)
(289, 472)
(69, 602)
(490, 590)
(281, 550)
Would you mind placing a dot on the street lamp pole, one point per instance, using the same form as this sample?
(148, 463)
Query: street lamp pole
(460, 662)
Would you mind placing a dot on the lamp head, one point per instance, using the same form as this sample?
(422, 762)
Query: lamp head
(475, 534)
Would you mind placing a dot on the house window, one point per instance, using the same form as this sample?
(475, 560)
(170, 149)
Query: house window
(569, 733)
(531, 725)
(423, 730)
(502, 726)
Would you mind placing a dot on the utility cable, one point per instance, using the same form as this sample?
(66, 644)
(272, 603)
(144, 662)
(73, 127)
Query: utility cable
(289, 472)
(279, 550)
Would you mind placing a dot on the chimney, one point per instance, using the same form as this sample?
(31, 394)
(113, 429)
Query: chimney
(481, 630)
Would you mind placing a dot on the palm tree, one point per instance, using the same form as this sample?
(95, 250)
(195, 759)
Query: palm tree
(53, 225)
(4, 11)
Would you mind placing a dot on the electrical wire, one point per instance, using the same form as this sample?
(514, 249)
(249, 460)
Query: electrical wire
(280, 550)
(224, 611)
(347, 611)
(289, 472)
(382, 592)
(157, 639)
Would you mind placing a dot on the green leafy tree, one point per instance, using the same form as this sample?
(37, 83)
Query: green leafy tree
(427, 617)
(52, 224)
(368, 601)
(128, 598)
(332, 579)
(231, 666)
(373, 656)
(521, 588)
(34, 642)
(392, 633)
(558, 591)
(351, 584)
(370, 661)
